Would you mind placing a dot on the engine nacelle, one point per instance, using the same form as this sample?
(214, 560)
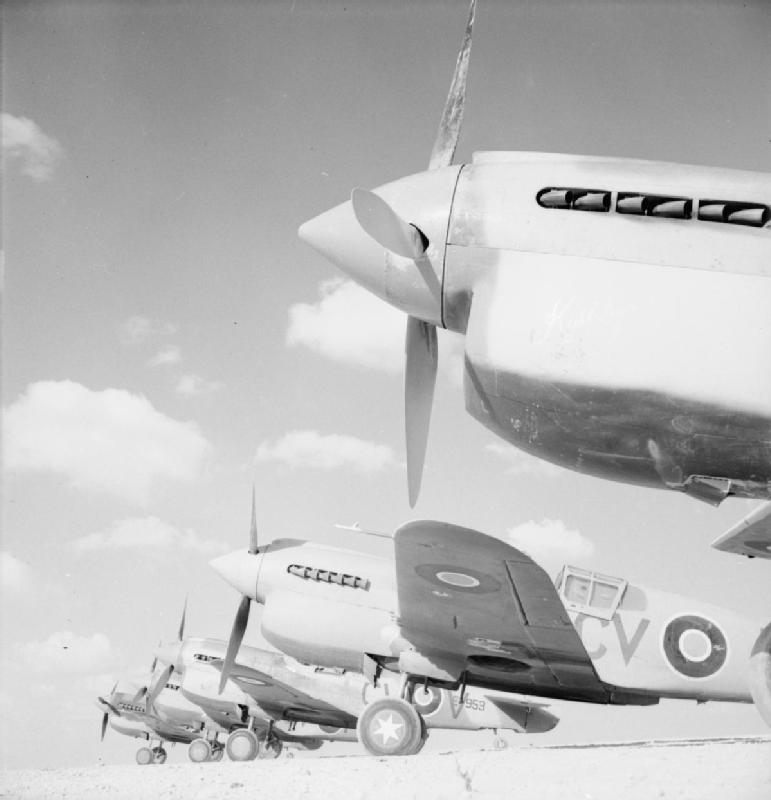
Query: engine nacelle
(760, 674)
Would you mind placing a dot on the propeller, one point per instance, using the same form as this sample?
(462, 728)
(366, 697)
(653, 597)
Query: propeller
(405, 239)
(242, 614)
(163, 678)
(109, 708)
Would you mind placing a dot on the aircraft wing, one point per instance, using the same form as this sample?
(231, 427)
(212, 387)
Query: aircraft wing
(282, 701)
(470, 603)
(751, 537)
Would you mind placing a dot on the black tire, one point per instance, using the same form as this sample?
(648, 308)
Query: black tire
(217, 752)
(159, 755)
(390, 727)
(271, 748)
(199, 751)
(242, 745)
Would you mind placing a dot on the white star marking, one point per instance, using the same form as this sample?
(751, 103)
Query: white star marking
(387, 729)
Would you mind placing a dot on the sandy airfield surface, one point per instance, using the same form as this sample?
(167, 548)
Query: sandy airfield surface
(739, 769)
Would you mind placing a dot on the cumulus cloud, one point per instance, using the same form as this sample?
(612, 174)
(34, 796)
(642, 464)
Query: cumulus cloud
(65, 653)
(332, 451)
(16, 576)
(520, 463)
(551, 543)
(137, 330)
(23, 141)
(147, 533)
(194, 384)
(351, 325)
(111, 440)
(171, 354)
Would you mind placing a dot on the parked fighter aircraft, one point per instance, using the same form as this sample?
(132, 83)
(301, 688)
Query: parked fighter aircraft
(128, 716)
(253, 729)
(588, 290)
(456, 608)
(273, 699)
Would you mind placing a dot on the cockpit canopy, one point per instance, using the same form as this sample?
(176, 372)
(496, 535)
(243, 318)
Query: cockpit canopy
(589, 592)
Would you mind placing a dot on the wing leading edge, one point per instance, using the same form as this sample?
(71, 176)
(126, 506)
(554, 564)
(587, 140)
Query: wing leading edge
(750, 537)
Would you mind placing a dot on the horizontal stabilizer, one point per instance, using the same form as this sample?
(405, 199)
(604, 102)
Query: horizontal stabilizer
(751, 537)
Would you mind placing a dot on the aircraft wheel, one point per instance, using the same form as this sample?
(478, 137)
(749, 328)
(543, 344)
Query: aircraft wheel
(271, 748)
(199, 751)
(500, 743)
(390, 727)
(217, 752)
(242, 745)
(159, 755)
(422, 740)
(144, 756)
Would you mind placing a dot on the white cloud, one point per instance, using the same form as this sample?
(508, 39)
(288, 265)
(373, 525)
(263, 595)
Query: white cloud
(24, 141)
(351, 325)
(147, 533)
(519, 463)
(195, 384)
(551, 543)
(137, 330)
(16, 576)
(170, 354)
(311, 449)
(111, 440)
(64, 652)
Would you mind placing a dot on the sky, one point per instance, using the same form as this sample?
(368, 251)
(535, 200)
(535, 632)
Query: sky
(168, 341)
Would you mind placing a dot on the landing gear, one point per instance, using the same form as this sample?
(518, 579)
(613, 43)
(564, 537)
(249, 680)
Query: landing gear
(242, 745)
(217, 752)
(391, 727)
(144, 756)
(499, 743)
(199, 751)
(271, 748)
(159, 755)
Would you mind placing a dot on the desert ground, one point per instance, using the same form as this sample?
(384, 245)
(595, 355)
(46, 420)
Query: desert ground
(715, 769)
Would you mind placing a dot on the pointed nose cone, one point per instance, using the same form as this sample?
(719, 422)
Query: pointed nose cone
(337, 235)
(240, 569)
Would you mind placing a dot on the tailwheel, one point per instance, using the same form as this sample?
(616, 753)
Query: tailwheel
(391, 727)
(242, 745)
(271, 748)
(199, 751)
(499, 743)
(159, 755)
(144, 756)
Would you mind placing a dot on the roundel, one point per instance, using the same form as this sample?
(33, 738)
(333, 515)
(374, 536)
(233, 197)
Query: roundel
(459, 578)
(694, 646)
(426, 699)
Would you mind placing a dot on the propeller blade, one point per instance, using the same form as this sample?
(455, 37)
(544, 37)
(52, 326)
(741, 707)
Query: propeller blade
(107, 704)
(386, 227)
(236, 637)
(419, 381)
(253, 547)
(158, 686)
(105, 717)
(452, 116)
(181, 632)
(141, 693)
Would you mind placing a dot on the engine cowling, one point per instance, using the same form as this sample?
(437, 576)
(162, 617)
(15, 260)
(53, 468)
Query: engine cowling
(760, 674)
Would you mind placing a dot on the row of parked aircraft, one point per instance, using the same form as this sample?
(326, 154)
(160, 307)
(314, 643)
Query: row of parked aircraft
(455, 630)
(592, 295)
